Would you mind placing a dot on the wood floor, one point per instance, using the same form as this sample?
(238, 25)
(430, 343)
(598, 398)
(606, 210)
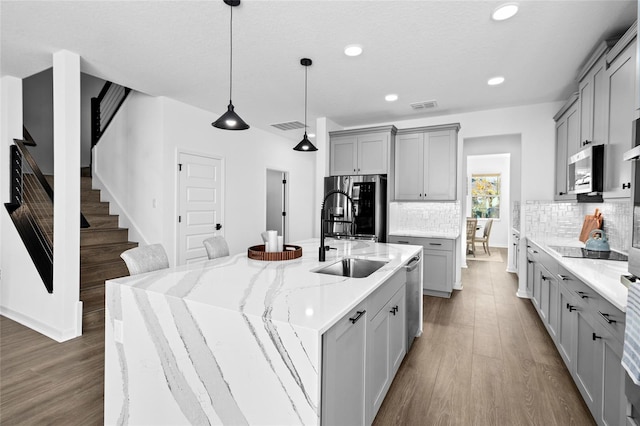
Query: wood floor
(484, 359)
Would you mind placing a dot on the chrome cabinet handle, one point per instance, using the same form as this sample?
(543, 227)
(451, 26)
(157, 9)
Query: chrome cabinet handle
(357, 317)
(594, 336)
(571, 308)
(563, 277)
(606, 318)
(435, 244)
(582, 294)
(403, 242)
(394, 310)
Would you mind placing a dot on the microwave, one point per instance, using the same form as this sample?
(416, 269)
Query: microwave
(585, 173)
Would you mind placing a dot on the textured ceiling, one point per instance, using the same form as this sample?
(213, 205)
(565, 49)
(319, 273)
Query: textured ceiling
(421, 50)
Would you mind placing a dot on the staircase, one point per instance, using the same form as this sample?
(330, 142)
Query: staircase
(100, 248)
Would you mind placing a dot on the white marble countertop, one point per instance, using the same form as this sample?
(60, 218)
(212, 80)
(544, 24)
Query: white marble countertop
(601, 275)
(300, 297)
(426, 234)
(231, 340)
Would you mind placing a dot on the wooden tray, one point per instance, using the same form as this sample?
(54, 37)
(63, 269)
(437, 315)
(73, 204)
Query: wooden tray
(290, 252)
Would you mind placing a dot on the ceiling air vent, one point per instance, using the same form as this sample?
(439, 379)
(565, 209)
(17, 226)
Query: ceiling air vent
(424, 105)
(289, 125)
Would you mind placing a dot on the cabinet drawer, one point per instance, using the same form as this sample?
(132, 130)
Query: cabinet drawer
(428, 243)
(584, 295)
(385, 292)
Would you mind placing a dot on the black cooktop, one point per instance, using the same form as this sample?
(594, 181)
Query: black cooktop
(589, 254)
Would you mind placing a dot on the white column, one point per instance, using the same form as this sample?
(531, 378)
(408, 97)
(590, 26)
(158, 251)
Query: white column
(66, 206)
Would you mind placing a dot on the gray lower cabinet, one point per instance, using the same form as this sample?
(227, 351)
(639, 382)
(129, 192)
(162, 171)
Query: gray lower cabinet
(361, 354)
(387, 347)
(438, 263)
(343, 357)
(588, 332)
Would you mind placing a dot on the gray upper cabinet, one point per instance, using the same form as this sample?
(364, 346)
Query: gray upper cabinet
(567, 144)
(361, 151)
(426, 163)
(592, 90)
(621, 82)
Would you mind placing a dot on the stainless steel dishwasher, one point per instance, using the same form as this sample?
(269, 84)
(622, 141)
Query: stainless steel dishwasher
(413, 297)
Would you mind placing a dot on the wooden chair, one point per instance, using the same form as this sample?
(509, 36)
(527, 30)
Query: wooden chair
(145, 259)
(485, 236)
(471, 235)
(216, 247)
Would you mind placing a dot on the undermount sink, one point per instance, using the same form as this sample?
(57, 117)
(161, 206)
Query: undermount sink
(352, 268)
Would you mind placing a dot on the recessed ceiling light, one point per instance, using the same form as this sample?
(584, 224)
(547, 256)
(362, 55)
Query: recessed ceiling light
(504, 11)
(392, 97)
(495, 81)
(353, 50)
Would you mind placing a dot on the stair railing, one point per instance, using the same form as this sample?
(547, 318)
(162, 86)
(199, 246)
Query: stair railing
(104, 107)
(31, 208)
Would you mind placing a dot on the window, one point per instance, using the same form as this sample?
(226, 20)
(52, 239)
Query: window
(485, 196)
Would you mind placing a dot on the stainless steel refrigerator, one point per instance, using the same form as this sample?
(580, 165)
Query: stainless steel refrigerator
(369, 195)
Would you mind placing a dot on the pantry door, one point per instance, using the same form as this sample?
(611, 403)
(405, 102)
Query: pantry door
(199, 205)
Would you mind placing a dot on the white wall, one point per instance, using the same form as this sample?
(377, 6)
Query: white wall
(136, 160)
(493, 164)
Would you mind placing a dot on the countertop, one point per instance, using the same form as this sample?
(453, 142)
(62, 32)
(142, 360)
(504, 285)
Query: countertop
(294, 294)
(230, 340)
(601, 275)
(449, 235)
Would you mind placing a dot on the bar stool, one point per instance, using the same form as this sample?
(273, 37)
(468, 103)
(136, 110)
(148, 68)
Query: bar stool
(145, 259)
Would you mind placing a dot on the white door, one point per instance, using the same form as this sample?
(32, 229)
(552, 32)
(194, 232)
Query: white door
(199, 205)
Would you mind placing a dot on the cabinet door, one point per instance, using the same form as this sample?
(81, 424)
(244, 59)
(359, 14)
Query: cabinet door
(409, 166)
(613, 393)
(622, 87)
(438, 272)
(387, 347)
(554, 307)
(587, 367)
(535, 298)
(593, 105)
(545, 288)
(398, 324)
(561, 160)
(566, 341)
(343, 370)
(344, 154)
(373, 154)
(567, 144)
(530, 276)
(379, 361)
(440, 159)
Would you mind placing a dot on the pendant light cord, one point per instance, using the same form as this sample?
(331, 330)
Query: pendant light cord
(305, 99)
(231, 52)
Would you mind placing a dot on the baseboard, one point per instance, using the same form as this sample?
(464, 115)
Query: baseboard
(44, 329)
(115, 207)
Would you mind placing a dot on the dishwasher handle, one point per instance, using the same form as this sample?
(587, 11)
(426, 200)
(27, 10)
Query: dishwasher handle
(412, 263)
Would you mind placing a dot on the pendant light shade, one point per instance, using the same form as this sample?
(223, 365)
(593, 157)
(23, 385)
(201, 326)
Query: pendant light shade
(230, 120)
(305, 144)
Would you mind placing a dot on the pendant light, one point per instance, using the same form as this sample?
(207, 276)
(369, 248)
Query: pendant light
(230, 120)
(305, 144)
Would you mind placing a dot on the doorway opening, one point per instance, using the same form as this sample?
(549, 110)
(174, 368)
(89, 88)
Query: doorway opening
(277, 200)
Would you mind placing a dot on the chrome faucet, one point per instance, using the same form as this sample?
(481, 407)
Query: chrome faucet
(323, 249)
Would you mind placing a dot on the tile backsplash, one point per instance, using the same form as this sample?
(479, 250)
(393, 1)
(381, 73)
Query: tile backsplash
(424, 217)
(545, 220)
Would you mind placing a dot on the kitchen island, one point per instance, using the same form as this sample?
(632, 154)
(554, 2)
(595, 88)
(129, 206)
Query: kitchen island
(233, 340)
